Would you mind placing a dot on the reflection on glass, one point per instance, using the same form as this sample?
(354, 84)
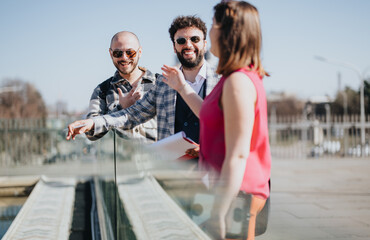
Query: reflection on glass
(122, 188)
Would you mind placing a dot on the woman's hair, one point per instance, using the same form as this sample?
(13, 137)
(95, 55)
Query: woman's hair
(240, 39)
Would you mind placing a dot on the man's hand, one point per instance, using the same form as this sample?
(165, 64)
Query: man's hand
(173, 77)
(78, 127)
(128, 99)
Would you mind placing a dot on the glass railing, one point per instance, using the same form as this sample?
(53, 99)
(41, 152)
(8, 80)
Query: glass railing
(34, 153)
(122, 188)
(152, 196)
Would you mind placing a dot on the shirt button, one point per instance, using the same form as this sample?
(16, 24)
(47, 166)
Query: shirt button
(196, 124)
(185, 124)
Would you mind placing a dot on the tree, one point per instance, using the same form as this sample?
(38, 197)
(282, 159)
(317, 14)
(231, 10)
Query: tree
(284, 105)
(353, 101)
(367, 96)
(25, 103)
(21, 111)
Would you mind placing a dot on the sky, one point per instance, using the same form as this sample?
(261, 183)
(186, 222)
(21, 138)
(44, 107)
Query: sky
(61, 47)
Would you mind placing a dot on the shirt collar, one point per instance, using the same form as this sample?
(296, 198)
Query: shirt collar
(147, 77)
(202, 74)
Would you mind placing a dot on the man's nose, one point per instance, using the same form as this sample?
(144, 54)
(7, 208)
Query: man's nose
(124, 56)
(188, 42)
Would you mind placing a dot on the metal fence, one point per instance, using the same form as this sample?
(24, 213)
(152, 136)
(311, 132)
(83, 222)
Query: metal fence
(38, 141)
(320, 136)
(33, 141)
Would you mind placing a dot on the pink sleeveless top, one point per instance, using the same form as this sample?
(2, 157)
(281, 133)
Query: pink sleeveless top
(212, 138)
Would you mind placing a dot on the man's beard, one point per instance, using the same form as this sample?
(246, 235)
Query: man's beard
(127, 71)
(189, 63)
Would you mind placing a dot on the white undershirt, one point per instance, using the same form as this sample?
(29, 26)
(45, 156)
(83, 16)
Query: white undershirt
(199, 79)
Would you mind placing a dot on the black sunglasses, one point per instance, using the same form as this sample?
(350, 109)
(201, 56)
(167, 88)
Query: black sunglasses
(182, 40)
(130, 53)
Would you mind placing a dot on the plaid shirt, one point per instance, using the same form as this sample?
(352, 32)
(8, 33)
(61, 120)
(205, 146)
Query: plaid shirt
(160, 101)
(105, 100)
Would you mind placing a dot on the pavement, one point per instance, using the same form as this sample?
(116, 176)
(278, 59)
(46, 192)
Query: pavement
(310, 198)
(319, 199)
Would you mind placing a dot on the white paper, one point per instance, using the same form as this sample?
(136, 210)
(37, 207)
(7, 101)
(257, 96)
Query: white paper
(173, 146)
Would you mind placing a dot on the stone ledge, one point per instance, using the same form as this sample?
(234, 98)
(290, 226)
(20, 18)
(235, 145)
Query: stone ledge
(47, 213)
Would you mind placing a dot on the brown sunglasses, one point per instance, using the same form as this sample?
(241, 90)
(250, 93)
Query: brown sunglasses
(130, 53)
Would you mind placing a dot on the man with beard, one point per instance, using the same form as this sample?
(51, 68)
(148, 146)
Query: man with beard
(125, 87)
(188, 35)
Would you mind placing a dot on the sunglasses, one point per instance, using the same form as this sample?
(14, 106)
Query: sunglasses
(130, 53)
(182, 40)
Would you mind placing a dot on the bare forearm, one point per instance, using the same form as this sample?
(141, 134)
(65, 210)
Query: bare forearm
(229, 184)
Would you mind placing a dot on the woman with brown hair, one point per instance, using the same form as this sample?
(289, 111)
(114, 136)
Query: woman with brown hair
(233, 117)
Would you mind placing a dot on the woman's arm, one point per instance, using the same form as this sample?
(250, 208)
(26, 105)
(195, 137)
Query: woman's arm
(238, 103)
(175, 79)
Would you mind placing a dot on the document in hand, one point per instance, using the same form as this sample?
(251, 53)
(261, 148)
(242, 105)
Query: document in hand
(173, 146)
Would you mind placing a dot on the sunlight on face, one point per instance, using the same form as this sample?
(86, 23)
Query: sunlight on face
(214, 35)
(190, 54)
(125, 64)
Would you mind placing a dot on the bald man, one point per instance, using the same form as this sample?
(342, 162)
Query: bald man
(125, 87)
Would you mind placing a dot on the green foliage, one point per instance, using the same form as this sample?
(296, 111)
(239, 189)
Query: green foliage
(353, 101)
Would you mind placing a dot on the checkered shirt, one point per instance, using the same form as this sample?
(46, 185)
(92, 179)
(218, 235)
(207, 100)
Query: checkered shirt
(159, 102)
(105, 100)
